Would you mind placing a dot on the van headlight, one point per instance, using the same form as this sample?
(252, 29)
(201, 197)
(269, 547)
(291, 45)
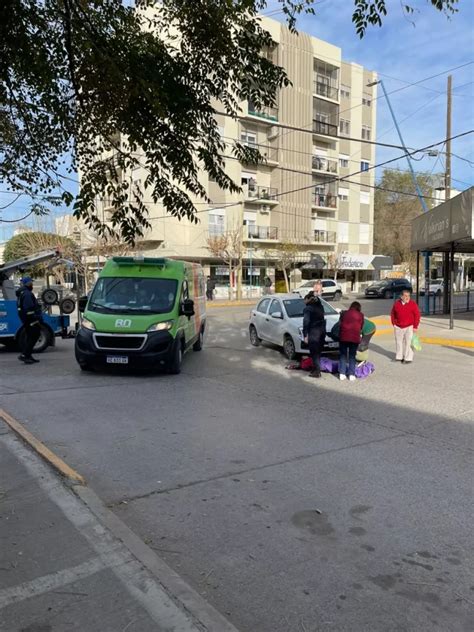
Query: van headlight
(87, 324)
(164, 326)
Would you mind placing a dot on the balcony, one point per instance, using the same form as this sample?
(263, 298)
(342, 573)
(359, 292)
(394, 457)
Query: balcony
(325, 117)
(255, 193)
(325, 236)
(269, 153)
(264, 233)
(325, 200)
(324, 89)
(322, 163)
(266, 113)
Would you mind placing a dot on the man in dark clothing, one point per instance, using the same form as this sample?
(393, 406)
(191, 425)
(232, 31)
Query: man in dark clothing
(31, 316)
(210, 287)
(314, 330)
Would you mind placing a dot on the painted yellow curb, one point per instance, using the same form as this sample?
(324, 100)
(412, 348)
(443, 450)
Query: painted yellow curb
(53, 459)
(447, 342)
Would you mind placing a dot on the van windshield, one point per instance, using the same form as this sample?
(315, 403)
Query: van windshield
(133, 296)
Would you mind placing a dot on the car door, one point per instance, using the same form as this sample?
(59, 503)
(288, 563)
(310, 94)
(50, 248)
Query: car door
(329, 289)
(259, 317)
(275, 325)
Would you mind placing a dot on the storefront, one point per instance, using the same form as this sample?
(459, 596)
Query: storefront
(359, 271)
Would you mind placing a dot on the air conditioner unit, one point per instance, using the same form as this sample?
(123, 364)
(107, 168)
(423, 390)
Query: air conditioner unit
(273, 132)
(264, 209)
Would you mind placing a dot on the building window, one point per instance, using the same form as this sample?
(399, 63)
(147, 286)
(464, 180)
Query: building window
(344, 127)
(216, 224)
(367, 100)
(366, 132)
(343, 160)
(365, 197)
(345, 91)
(364, 165)
(248, 138)
(343, 194)
(364, 234)
(343, 232)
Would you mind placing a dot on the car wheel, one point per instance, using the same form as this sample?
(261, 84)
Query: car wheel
(45, 339)
(255, 341)
(338, 296)
(197, 346)
(49, 297)
(174, 366)
(388, 294)
(289, 348)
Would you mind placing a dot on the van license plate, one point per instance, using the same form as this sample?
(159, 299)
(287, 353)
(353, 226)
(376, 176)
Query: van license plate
(117, 359)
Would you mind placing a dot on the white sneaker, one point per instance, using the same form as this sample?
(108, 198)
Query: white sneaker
(352, 378)
(342, 377)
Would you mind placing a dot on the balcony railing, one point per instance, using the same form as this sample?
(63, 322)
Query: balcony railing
(326, 129)
(321, 163)
(268, 113)
(325, 236)
(324, 200)
(325, 90)
(255, 192)
(262, 232)
(268, 152)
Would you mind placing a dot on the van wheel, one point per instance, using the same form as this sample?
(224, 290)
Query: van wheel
(289, 348)
(197, 346)
(174, 366)
(86, 367)
(254, 339)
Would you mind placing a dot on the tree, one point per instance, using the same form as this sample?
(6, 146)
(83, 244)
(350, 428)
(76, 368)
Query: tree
(335, 261)
(396, 205)
(31, 242)
(114, 86)
(283, 256)
(228, 247)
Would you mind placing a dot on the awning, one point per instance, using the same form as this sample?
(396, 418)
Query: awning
(450, 223)
(365, 262)
(315, 263)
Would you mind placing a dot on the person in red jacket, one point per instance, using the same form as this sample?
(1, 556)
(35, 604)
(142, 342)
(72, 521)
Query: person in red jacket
(405, 320)
(350, 330)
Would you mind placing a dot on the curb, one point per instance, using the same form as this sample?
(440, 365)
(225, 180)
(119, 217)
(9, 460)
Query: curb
(214, 305)
(188, 599)
(45, 453)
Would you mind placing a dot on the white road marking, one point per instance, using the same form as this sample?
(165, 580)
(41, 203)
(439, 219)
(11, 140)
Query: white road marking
(112, 553)
(41, 585)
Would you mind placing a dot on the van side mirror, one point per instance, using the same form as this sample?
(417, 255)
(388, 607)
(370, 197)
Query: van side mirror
(82, 303)
(187, 308)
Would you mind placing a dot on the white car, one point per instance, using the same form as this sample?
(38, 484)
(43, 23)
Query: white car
(331, 289)
(436, 288)
(279, 319)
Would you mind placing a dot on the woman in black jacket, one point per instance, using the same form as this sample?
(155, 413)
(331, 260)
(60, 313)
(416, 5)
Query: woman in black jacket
(314, 330)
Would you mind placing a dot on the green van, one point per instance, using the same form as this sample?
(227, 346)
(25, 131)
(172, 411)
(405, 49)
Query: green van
(143, 313)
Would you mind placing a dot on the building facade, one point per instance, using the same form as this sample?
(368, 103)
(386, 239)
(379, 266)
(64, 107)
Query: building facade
(316, 135)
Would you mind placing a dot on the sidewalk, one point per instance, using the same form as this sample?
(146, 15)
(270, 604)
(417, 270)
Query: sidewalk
(64, 568)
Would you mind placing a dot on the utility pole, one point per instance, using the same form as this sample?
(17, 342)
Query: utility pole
(447, 294)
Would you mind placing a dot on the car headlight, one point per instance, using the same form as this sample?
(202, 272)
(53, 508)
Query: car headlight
(87, 324)
(165, 326)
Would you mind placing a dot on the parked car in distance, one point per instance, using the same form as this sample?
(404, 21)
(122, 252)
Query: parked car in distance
(436, 288)
(388, 288)
(279, 319)
(331, 289)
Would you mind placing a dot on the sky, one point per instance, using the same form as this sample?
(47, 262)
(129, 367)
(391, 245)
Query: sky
(402, 54)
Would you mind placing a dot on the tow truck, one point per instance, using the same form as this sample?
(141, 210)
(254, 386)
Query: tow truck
(11, 327)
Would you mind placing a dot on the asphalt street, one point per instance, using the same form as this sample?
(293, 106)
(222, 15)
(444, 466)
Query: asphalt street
(290, 504)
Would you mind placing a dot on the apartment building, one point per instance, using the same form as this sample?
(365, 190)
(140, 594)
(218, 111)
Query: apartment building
(317, 134)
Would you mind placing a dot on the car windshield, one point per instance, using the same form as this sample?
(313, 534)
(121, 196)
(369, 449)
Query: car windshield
(294, 307)
(133, 296)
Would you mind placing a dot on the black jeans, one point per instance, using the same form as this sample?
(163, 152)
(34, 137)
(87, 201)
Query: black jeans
(316, 344)
(33, 332)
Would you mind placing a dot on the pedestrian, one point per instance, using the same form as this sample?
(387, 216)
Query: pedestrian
(267, 285)
(210, 287)
(405, 320)
(314, 330)
(352, 322)
(31, 316)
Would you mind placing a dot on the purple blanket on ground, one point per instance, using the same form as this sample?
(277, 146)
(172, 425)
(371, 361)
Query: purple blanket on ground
(332, 366)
